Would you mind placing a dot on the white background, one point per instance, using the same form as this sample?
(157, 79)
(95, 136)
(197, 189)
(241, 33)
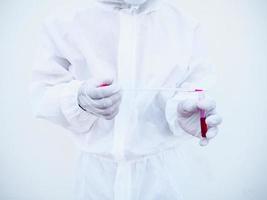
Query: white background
(37, 158)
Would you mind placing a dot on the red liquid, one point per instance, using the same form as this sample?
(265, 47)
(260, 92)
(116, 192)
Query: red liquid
(104, 85)
(204, 127)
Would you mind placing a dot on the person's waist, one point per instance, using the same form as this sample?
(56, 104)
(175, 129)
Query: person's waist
(131, 156)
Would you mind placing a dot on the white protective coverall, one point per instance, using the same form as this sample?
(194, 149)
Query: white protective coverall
(136, 155)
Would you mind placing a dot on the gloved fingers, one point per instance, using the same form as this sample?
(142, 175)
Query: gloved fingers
(83, 102)
(103, 92)
(203, 142)
(212, 132)
(207, 104)
(109, 111)
(94, 110)
(213, 120)
(103, 112)
(87, 103)
(107, 102)
(113, 115)
(187, 107)
(211, 112)
(87, 106)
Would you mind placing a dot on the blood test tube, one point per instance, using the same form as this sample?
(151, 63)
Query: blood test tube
(203, 124)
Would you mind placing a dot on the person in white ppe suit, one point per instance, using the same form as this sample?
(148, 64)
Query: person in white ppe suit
(95, 77)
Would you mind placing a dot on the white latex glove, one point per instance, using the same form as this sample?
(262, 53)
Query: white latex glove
(189, 118)
(100, 101)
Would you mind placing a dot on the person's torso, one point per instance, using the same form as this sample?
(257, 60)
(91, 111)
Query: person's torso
(139, 51)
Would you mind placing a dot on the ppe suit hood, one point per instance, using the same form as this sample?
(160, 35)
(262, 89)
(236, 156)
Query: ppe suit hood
(140, 7)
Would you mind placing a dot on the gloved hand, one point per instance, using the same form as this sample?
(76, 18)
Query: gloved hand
(189, 117)
(100, 101)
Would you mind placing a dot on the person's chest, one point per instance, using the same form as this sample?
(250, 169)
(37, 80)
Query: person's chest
(143, 48)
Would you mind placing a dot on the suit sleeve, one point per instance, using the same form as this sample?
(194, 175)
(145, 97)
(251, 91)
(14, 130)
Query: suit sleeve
(200, 75)
(54, 89)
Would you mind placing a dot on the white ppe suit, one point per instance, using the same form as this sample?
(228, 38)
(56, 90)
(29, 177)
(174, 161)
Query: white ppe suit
(134, 156)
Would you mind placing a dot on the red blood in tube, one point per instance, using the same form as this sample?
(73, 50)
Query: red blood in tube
(203, 124)
(204, 127)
